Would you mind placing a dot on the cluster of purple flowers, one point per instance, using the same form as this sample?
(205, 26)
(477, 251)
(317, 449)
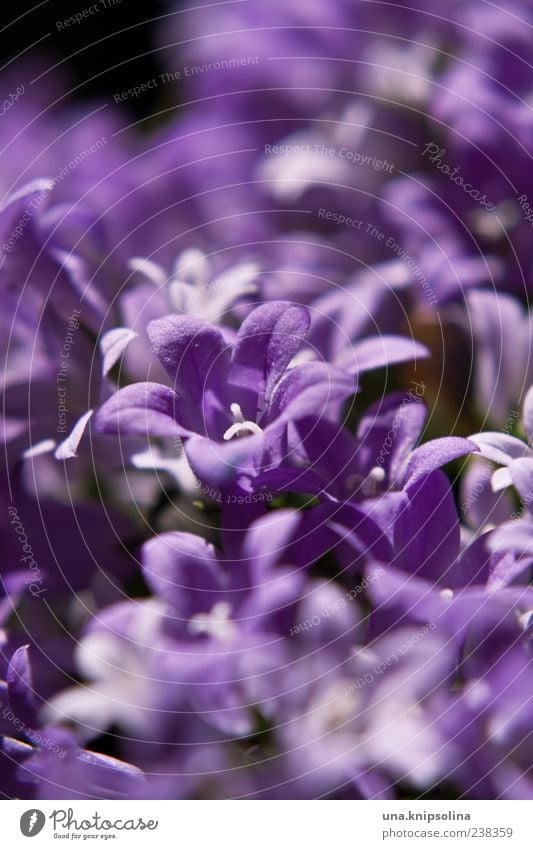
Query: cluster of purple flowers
(267, 420)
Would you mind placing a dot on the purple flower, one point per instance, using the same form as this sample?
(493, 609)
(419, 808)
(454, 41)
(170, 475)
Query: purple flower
(48, 762)
(514, 456)
(219, 565)
(502, 337)
(383, 458)
(230, 403)
(212, 625)
(515, 459)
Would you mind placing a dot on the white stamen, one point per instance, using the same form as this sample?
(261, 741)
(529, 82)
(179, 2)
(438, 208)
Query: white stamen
(240, 427)
(215, 624)
(446, 594)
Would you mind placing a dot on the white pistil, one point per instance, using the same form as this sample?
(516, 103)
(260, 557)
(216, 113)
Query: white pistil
(236, 412)
(240, 427)
(215, 624)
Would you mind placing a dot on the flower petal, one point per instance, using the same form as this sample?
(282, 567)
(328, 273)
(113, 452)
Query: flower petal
(432, 455)
(20, 686)
(314, 387)
(183, 569)
(113, 344)
(149, 409)
(266, 343)
(196, 358)
(426, 531)
(500, 447)
(217, 463)
(69, 446)
(381, 351)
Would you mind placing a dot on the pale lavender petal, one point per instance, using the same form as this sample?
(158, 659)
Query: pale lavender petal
(521, 472)
(435, 454)
(20, 686)
(479, 504)
(314, 387)
(381, 351)
(113, 344)
(515, 536)
(148, 409)
(499, 447)
(69, 447)
(217, 463)
(268, 537)
(501, 479)
(35, 187)
(502, 350)
(505, 569)
(183, 570)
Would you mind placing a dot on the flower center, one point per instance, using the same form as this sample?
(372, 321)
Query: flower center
(216, 624)
(240, 427)
(369, 485)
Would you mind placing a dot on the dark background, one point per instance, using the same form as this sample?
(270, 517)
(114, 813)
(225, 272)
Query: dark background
(132, 30)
